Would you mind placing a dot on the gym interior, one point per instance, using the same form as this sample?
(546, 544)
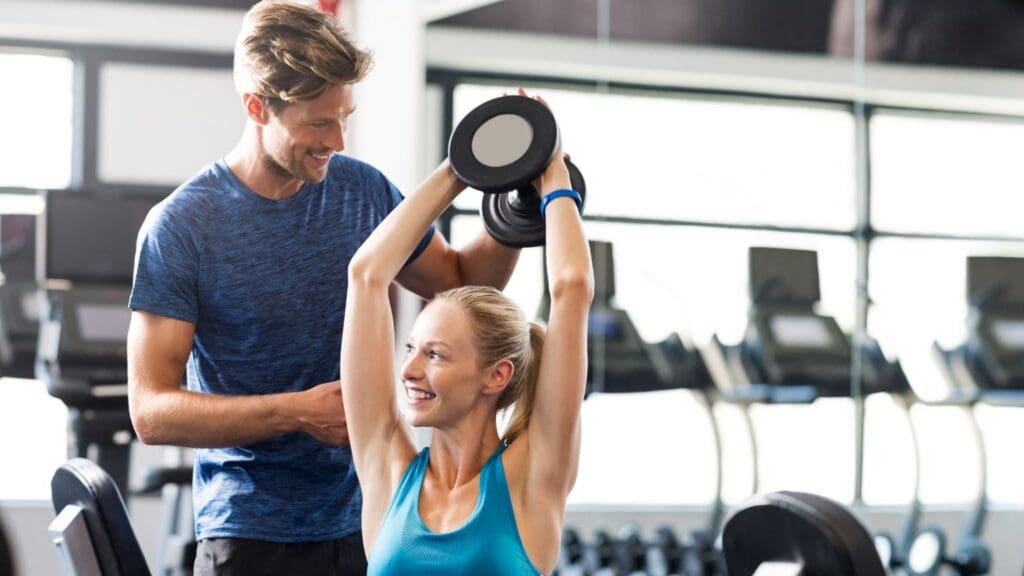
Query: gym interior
(804, 221)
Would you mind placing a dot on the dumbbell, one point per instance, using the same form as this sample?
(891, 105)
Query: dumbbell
(799, 534)
(499, 148)
(604, 553)
(887, 550)
(699, 556)
(665, 555)
(572, 546)
(631, 551)
(571, 559)
(927, 555)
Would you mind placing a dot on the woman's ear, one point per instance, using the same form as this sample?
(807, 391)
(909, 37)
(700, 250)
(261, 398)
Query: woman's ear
(498, 377)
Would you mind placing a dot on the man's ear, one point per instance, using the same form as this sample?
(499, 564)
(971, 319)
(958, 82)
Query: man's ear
(498, 377)
(255, 108)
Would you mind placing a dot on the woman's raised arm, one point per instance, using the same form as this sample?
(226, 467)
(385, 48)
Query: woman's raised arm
(554, 430)
(380, 440)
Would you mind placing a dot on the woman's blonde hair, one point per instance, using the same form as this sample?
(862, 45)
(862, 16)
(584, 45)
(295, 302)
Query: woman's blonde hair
(501, 331)
(289, 52)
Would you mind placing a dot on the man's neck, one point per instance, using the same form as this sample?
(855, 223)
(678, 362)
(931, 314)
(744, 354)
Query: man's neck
(256, 173)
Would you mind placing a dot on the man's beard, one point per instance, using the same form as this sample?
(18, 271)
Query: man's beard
(275, 167)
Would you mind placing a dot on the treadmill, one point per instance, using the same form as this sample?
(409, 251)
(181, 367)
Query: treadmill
(86, 246)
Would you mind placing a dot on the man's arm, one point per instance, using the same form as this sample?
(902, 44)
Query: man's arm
(440, 266)
(163, 413)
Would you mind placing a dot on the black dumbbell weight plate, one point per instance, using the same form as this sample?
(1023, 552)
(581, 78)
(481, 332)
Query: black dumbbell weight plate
(807, 529)
(503, 144)
(514, 219)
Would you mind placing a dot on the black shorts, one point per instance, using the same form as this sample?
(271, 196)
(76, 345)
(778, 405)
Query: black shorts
(241, 557)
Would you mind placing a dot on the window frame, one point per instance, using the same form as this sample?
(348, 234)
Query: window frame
(863, 233)
(87, 62)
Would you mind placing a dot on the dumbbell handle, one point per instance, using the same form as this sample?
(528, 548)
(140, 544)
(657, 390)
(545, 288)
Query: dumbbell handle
(525, 203)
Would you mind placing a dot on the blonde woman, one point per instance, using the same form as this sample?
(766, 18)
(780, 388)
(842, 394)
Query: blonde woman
(475, 502)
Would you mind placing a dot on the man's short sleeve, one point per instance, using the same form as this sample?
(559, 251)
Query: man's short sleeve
(166, 268)
(395, 197)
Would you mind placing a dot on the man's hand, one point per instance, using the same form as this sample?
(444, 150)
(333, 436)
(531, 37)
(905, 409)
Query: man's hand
(321, 413)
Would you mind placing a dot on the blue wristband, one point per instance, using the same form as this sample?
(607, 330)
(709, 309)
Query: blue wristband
(563, 193)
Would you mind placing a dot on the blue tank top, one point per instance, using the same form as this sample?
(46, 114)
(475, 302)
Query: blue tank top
(488, 543)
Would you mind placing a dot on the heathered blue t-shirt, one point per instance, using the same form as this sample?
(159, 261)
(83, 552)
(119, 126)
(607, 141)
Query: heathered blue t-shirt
(264, 282)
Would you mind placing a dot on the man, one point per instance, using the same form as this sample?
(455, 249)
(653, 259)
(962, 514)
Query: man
(241, 277)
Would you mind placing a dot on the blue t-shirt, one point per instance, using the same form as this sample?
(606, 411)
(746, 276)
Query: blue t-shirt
(264, 282)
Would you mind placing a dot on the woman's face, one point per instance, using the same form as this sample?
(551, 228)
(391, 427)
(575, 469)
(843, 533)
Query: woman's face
(441, 374)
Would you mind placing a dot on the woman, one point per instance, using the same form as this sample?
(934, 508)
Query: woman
(474, 502)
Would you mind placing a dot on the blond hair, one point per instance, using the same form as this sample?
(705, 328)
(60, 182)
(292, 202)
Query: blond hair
(289, 52)
(502, 331)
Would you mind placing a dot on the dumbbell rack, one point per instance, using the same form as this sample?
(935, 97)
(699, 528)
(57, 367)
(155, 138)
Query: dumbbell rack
(701, 545)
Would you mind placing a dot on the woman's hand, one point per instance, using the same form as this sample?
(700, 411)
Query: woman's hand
(556, 175)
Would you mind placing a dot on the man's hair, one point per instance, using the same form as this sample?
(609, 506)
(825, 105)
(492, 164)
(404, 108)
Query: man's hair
(290, 52)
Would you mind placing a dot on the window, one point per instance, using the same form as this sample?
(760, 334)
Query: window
(888, 452)
(36, 108)
(946, 174)
(36, 111)
(660, 444)
(702, 159)
(657, 444)
(33, 439)
(1001, 426)
(910, 312)
(808, 448)
(734, 163)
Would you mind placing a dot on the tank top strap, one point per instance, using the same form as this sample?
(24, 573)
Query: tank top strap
(494, 490)
(409, 486)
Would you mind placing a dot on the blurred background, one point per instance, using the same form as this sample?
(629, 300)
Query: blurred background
(883, 136)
